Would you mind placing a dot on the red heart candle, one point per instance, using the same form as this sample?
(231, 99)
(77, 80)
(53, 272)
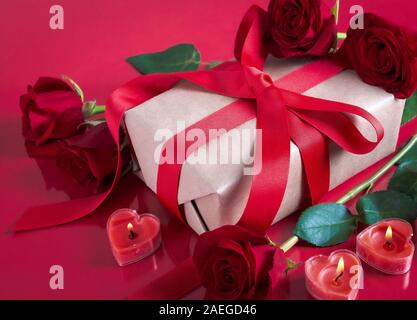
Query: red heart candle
(133, 236)
(336, 277)
(387, 246)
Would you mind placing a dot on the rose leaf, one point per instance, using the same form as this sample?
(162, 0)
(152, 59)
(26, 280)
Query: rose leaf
(410, 156)
(410, 110)
(181, 57)
(404, 179)
(325, 224)
(386, 204)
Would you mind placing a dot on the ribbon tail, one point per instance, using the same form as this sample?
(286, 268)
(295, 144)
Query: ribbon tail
(57, 213)
(173, 285)
(314, 154)
(271, 166)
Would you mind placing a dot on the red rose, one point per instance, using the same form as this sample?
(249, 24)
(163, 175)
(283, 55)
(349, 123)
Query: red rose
(90, 157)
(236, 264)
(300, 28)
(383, 55)
(51, 110)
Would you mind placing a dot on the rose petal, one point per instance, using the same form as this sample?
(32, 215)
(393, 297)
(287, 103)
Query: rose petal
(383, 55)
(95, 137)
(45, 84)
(58, 101)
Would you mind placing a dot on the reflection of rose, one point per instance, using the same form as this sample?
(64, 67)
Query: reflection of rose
(300, 28)
(236, 264)
(51, 110)
(383, 55)
(89, 157)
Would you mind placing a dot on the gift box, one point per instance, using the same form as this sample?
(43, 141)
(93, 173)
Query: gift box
(214, 194)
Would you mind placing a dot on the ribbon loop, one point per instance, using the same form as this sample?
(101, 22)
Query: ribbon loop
(249, 50)
(330, 118)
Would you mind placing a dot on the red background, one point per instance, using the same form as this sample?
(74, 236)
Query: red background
(98, 36)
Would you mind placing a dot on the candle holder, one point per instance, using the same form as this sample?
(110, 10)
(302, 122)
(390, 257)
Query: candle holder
(387, 246)
(133, 237)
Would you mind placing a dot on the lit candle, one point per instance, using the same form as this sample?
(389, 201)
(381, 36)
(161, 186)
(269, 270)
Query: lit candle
(339, 270)
(132, 234)
(388, 238)
(336, 277)
(387, 246)
(133, 237)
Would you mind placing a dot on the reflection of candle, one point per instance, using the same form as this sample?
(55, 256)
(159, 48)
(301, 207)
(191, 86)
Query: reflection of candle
(387, 246)
(336, 277)
(132, 236)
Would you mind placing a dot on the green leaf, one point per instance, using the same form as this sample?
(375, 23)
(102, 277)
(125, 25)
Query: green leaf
(410, 110)
(182, 57)
(404, 179)
(325, 224)
(386, 204)
(410, 156)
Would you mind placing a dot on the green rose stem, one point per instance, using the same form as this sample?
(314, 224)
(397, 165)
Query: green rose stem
(366, 185)
(341, 36)
(90, 109)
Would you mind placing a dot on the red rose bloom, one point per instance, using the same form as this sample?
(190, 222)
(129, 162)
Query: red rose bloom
(300, 28)
(90, 157)
(383, 55)
(236, 264)
(51, 110)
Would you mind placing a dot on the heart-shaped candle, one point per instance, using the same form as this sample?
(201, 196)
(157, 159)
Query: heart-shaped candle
(336, 277)
(133, 236)
(387, 246)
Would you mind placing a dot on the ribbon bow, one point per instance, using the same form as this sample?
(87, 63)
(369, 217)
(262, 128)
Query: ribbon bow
(282, 112)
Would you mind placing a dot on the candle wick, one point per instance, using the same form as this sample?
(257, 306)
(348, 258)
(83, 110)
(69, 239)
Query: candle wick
(132, 234)
(338, 277)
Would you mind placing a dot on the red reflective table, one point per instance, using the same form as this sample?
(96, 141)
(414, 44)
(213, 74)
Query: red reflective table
(98, 35)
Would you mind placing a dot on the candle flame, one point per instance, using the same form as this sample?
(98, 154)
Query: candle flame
(130, 226)
(340, 266)
(388, 235)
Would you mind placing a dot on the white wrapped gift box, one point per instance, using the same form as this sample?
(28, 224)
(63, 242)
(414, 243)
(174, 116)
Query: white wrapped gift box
(215, 194)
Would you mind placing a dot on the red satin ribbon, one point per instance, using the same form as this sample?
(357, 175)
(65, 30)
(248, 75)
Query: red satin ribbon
(280, 115)
(282, 112)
